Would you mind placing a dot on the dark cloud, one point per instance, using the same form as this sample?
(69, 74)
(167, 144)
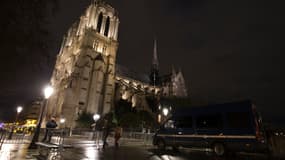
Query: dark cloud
(227, 50)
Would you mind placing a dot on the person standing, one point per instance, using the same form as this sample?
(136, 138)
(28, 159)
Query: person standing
(50, 126)
(118, 134)
(106, 132)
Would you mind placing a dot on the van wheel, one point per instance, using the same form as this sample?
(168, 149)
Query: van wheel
(219, 149)
(161, 144)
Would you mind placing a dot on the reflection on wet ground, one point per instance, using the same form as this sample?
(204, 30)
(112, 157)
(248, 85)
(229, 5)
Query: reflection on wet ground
(126, 152)
(188, 154)
(11, 151)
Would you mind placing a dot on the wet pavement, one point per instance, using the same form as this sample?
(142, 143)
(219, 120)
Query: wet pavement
(83, 148)
(16, 151)
(128, 150)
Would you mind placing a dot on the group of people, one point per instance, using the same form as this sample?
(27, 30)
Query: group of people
(105, 125)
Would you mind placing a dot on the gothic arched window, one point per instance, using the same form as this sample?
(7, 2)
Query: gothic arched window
(99, 24)
(107, 26)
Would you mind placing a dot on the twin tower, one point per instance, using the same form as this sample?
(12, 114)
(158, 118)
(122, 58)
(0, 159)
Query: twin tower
(85, 78)
(84, 73)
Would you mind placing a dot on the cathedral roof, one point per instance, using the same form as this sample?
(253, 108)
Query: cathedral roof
(128, 73)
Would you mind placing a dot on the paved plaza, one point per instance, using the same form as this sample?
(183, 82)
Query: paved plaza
(86, 149)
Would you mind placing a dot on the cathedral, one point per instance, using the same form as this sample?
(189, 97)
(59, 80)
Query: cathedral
(86, 77)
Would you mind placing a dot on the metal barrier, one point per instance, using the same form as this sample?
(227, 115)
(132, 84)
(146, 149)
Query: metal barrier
(129, 135)
(16, 139)
(2, 137)
(146, 138)
(54, 150)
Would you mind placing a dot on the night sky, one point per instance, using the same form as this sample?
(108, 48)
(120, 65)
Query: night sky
(227, 50)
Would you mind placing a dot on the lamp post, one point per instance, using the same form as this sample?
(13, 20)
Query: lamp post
(165, 113)
(47, 93)
(62, 122)
(19, 110)
(96, 117)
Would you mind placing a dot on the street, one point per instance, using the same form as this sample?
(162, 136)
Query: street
(144, 153)
(127, 151)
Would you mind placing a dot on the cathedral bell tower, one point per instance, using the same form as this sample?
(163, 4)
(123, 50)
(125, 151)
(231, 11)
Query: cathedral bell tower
(84, 73)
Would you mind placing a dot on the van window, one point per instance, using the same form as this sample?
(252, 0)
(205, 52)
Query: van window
(239, 120)
(169, 124)
(209, 121)
(184, 122)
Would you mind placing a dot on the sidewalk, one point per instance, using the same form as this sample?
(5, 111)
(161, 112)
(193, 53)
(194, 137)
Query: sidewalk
(19, 151)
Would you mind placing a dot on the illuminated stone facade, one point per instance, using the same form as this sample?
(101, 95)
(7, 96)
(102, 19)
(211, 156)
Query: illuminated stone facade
(84, 73)
(86, 77)
(173, 85)
(134, 87)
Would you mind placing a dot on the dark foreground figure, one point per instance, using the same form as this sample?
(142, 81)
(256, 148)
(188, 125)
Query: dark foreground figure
(50, 126)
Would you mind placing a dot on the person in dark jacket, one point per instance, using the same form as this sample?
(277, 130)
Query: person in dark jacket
(107, 127)
(50, 126)
(106, 132)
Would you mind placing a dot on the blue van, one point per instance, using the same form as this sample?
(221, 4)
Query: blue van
(229, 127)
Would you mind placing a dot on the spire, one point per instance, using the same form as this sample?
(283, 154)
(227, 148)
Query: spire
(154, 75)
(173, 70)
(155, 59)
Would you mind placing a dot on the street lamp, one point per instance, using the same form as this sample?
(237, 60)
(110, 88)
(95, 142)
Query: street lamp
(96, 117)
(48, 91)
(62, 120)
(19, 110)
(165, 111)
(62, 123)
